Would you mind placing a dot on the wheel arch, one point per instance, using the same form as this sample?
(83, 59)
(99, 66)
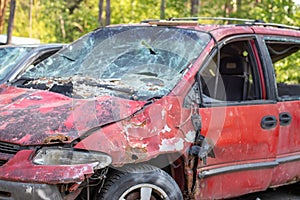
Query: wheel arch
(173, 164)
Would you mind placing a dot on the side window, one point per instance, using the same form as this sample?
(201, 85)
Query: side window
(285, 56)
(231, 75)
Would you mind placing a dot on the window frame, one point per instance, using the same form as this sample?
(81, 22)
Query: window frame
(269, 64)
(258, 76)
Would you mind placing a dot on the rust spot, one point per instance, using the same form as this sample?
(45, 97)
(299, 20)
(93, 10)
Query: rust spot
(142, 124)
(56, 139)
(135, 153)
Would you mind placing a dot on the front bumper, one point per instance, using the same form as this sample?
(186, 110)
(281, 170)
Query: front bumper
(21, 179)
(16, 190)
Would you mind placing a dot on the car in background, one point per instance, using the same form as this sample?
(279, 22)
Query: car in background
(14, 59)
(16, 40)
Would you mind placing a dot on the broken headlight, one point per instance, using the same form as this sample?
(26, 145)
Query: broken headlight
(48, 156)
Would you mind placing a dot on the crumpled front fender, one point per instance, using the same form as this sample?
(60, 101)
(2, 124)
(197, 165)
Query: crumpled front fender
(156, 130)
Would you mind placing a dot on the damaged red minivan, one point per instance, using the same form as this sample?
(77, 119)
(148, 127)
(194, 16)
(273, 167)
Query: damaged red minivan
(157, 110)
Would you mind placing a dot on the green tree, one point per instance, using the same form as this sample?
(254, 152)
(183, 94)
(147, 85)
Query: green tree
(12, 9)
(66, 20)
(287, 74)
(3, 4)
(84, 19)
(162, 9)
(275, 11)
(47, 20)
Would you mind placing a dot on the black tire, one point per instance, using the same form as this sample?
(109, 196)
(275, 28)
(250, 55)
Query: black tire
(128, 182)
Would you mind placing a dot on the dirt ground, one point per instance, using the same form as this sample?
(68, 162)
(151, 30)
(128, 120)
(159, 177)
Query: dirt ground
(289, 192)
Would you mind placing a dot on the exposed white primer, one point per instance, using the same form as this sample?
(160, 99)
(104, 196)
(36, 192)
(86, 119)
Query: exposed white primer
(163, 112)
(190, 136)
(28, 190)
(42, 194)
(166, 129)
(171, 144)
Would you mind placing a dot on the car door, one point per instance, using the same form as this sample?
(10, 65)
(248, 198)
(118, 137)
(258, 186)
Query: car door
(284, 54)
(238, 121)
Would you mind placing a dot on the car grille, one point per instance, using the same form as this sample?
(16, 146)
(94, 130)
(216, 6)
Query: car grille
(7, 151)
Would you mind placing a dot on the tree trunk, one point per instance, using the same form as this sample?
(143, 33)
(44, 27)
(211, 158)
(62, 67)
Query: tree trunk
(107, 12)
(228, 8)
(3, 4)
(194, 7)
(100, 7)
(162, 9)
(30, 17)
(11, 21)
(239, 6)
(62, 26)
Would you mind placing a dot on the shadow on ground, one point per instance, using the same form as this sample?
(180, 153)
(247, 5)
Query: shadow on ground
(288, 192)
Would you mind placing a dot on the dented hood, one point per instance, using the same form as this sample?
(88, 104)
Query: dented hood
(33, 117)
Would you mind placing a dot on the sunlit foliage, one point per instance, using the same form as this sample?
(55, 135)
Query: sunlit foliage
(67, 20)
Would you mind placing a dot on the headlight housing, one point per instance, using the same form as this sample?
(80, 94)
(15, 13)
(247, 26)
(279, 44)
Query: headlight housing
(64, 156)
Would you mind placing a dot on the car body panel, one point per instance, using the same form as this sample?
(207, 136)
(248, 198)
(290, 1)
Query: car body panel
(276, 31)
(289, 134)
(243, 154)
(227, 31)
(147, 134)
(50, 115)
(288, 146)
(242, 149)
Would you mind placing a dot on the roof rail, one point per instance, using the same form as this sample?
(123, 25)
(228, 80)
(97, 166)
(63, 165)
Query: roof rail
(246, 21)
(214, 18)
(150, 20)
(194, 20)
(275, 25)
(173, 23)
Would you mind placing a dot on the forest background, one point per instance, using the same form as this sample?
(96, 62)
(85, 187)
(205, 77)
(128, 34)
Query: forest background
(63, 21)
(66, 20)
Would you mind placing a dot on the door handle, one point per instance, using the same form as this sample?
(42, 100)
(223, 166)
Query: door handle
(268, 122)
(285, 118)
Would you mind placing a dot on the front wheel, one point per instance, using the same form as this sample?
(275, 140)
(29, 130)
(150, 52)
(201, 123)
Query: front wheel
(139, 182)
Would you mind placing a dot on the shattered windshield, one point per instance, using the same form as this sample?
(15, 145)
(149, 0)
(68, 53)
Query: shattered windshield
(9, 57)
(130, 61)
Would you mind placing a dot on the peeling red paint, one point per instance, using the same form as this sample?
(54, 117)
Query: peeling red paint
(147, 134)
(53, 114)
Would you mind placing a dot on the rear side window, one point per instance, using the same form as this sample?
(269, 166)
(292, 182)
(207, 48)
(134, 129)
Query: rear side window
(285, 56)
